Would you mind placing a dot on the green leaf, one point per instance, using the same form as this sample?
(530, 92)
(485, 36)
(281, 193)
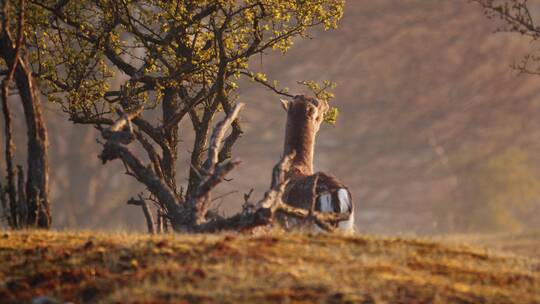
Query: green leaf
(331, 115)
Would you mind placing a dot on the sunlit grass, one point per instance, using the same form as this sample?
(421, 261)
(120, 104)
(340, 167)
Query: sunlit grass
(524, 244)
(99, 267)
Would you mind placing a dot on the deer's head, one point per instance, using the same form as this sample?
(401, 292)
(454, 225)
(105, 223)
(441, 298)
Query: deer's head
(305, 108)
(304, 118)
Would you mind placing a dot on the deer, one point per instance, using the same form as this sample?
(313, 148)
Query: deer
(320, 191)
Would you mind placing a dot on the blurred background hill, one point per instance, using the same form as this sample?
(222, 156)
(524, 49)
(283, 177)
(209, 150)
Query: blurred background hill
(436, 132)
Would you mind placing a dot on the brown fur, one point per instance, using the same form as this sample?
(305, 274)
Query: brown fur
(304, 117)
(299, 190)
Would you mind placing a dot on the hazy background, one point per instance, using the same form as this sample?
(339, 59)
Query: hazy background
(437, 134)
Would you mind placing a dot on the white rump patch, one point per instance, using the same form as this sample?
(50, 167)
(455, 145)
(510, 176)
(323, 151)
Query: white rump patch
(325, 204)
(345, 205)
(325, 201)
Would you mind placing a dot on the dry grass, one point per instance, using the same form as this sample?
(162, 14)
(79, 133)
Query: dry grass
(524, 244)
(297, 268)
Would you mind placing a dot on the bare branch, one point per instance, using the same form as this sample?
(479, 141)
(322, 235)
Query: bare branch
(264, 214)
(159, 226)
(125, 119)
(22, 206)
(146, 211)
(235, 134)
(114, 148)
(198, 200)
(266, 84)
(4, 203)
(217, 137)
(247, 196)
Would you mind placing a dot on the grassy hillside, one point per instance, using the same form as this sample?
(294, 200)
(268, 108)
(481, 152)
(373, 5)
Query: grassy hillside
(525, 244)
(90, 267)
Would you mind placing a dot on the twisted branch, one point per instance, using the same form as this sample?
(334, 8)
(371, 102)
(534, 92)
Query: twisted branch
(199, 200)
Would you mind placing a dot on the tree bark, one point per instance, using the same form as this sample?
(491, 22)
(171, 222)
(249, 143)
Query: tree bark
(37, 183)
(10, 176)
(171, 138)
(37, 177)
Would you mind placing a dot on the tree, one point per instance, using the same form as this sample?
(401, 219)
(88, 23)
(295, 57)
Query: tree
(518, 17)
(28, 198)
(180, 60)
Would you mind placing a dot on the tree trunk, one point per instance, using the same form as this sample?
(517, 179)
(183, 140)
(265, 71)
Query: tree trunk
(10, 176)
(169, 107)
(37, 183)
(37, 190)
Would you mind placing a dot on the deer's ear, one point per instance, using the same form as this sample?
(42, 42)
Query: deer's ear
(312, 111)
(286, 104)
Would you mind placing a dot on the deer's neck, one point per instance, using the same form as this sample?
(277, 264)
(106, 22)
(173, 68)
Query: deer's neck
(300, 137)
